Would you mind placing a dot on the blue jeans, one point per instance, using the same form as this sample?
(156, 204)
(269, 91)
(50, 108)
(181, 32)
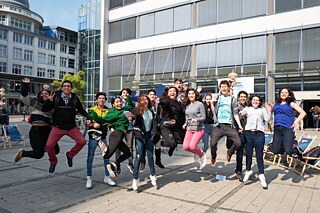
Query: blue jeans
(205, 138)
(282, 138)
(149, 147)
(92, 145)
(254, 139)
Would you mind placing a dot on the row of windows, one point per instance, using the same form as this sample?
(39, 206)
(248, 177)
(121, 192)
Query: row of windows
(28, 71)
(208, 12)
(21, 24)
(280, 5)
(290, 47)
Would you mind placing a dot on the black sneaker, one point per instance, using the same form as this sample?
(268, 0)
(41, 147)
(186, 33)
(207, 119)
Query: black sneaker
(52, 168)
(112, 168)
(69, 160)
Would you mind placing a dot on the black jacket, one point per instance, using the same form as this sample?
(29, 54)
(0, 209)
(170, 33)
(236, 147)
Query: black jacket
(64, 116)
(139, 128)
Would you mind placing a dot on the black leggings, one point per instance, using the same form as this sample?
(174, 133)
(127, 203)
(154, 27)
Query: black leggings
(115, 142)
(38, 136)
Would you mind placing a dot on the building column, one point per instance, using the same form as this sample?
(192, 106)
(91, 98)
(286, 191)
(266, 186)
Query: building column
(193, 73)
(104, 40)
(270, 71)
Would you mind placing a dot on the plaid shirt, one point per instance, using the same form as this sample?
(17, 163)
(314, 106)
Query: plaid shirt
(65, 98)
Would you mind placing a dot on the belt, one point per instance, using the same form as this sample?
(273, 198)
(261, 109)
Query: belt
(40, 124)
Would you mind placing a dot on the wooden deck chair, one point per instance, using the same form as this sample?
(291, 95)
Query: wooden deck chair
(305, 142)
(13, 136)
(267, 143)
(310, 162)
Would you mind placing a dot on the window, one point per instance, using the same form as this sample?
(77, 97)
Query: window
(51, 45)
(253, 8)
(311, 44)
(254, 50)
(28, 55)
(20, 24)
(122, 30)
(182, 17)
(41, 72)
(287, 5)
(229, 10)
(3, 67)
(27, 70)
(71, 63)
(3, 34)
(146, 63)
(3, 19)
(51, 73)
(164, 21)
(207, 12)
(28, 40)
(287, 47)
(229, 53)
(16, 69)
(17, 37)
(42, 58)
(63, 48)
(128, 64)
(182, 59)
(42, 43)
(61, 74)
(17, 53)
(163, 61)
(63, 62)
(3, 51)
(310, 3)
(206, 56)
(147, 25)
(51, 59)
(115, 3)
(72, 50)
(115, 66)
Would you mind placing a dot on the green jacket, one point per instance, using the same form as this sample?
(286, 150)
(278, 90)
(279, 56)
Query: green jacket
(114, 117)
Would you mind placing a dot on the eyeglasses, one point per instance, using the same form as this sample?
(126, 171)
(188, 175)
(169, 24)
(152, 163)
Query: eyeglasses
(66, 86)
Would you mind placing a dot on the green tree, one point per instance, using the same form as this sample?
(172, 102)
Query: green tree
(78, 83)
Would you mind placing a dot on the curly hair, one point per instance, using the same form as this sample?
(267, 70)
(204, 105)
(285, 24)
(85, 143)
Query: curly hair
(289, 99)
(253, 96)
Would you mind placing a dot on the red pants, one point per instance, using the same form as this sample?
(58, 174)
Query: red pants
(56, 134)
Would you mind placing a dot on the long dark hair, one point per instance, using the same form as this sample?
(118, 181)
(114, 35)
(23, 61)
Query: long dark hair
(197, 96)
(141, 107)
(289, 99)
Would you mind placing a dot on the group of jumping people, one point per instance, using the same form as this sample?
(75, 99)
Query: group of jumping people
(179, 116)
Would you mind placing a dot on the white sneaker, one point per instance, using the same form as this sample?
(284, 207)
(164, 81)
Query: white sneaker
(247, 174)
(108, 180)
(135, 184)
(203, 161)
(263, 182)
(153, 180)
(196, 158)
(89, 182)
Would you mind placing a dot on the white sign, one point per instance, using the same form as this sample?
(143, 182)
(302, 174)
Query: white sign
(243, 83)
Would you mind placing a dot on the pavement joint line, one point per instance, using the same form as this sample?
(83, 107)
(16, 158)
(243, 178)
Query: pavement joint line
(4, 210)
(13, 168)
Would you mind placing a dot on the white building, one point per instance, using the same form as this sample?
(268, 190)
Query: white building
(151, 42)
(27, 48)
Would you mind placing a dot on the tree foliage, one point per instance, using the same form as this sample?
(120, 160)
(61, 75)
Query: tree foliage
(78, 83)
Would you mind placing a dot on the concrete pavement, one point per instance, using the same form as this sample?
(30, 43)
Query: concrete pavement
(28, 187)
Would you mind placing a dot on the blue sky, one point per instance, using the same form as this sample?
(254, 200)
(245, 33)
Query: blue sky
(63, 13)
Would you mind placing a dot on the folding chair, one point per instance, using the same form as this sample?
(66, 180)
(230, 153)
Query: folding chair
(305, 142)
(311, 162)
(2, 139)
(13, 136)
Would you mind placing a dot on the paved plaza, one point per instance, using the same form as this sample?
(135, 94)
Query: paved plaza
(28, 187)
